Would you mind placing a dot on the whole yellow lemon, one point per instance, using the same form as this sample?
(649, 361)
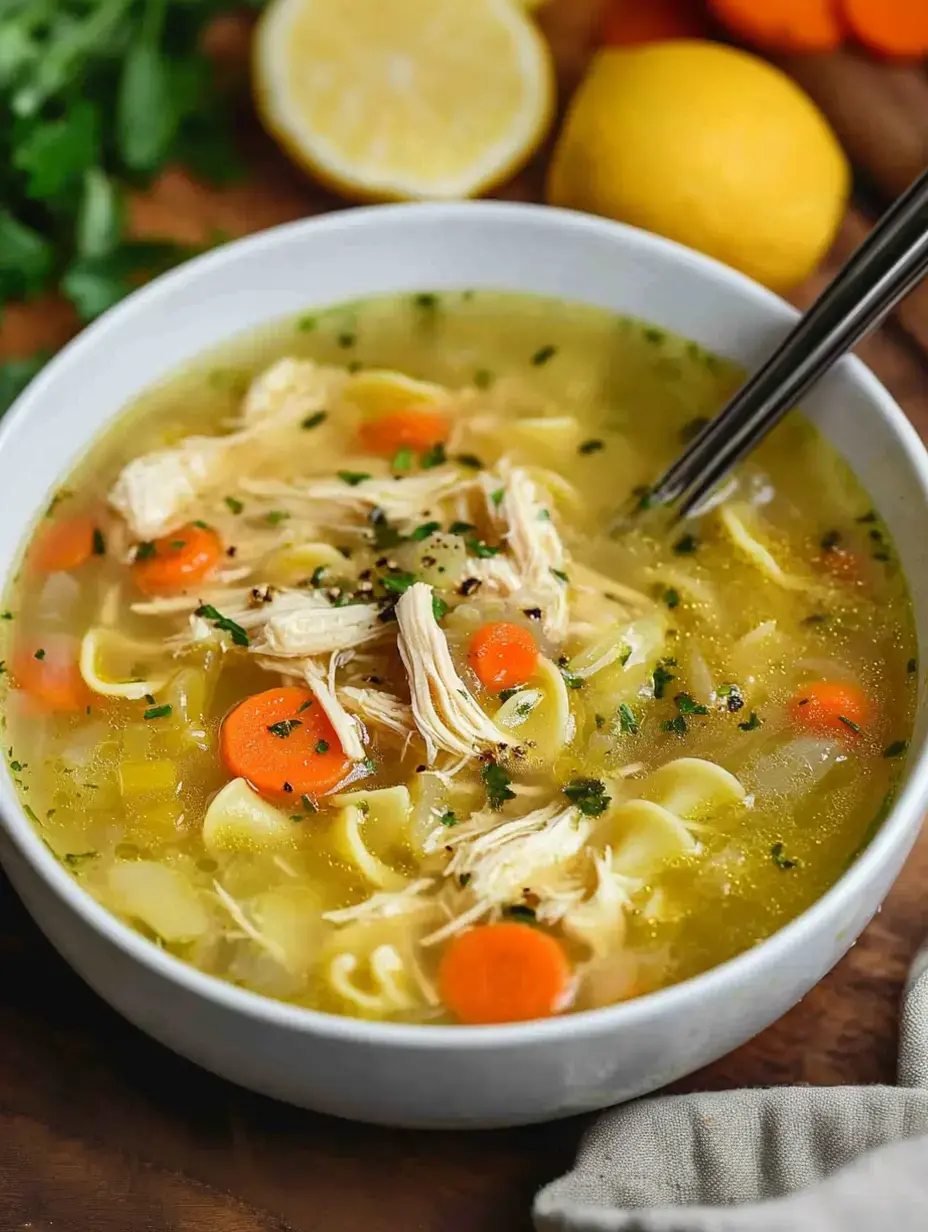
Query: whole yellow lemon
(709, 146)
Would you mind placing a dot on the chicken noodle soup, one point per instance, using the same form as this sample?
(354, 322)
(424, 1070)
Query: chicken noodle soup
(330, 673)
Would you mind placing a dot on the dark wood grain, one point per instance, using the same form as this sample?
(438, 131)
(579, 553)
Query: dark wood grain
(102, 1130)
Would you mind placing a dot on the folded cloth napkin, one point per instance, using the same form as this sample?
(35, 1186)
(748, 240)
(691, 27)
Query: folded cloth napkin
(785, 1159)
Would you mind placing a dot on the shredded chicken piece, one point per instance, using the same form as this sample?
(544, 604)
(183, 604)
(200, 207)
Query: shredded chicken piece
(599, 921)
(386, 904)
(497, 575)
(347, 729)
(403, 501)
(248, 928)
(446, 714)
(379, 708)
(317, 629)
(536, 546)
(290, 388)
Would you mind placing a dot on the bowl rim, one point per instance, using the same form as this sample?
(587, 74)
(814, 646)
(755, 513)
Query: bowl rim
(675, 998)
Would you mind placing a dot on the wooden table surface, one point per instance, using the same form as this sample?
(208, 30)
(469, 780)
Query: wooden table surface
(102, 1130)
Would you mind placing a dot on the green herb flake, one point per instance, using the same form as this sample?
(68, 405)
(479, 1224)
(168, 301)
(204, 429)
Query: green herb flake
(352, 478)
(687, 705)
(600, 721)
(676, 725)
(424, 531)
(16, 767)
(99, 543)
(571, 679)
(543, 355)
(660, 678)
(591, 446)
(276, 516)
(305, 706)
(385, 534)
(40, 654)
(912, 666)
(653, 335)
(233, 504)
(448, 818)
(779, 859)
(207, 612)
(158, 712)
(284, 728)
(496, 780)
(464, 880)
(306, 325)
(628, 724)
(461, 528)
(426, 300)
(346, 340)
(498, 496)
(588, 795)
(322, 746)
(403, 459)
(830, 540)
(315, 578)
(481, 549)
(671, 597)
(314, 420)
(752, 723)
(145, 550)
(177, 544)
(560, 575)
(398, 583)
(483, 378)
(686, 545)
(470, 460)
(308, 806)
(439, 607)
(7, 615)
(433, 457)
(896, 749)
(732, 696)
(505, 694)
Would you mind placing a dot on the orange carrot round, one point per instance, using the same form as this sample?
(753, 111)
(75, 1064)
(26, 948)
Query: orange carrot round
(828, 706)
(897, 28)
(283, 743)
(507, 972)
(503, 655)
(177, 561)
(46, 667)
(629, 23)
(64, 545)
(783, 25)
(418, 430)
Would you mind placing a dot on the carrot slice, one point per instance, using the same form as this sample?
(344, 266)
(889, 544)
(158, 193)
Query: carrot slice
(897, 28)
(503, 655)
(505, 972)
(64, 545)
(830, 706)
(418, 430)
(176, 561)
(283, 743)
(783, 25)
(629, 23)
(46, 667)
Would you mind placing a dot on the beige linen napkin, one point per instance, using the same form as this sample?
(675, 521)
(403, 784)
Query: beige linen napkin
(786, 1159)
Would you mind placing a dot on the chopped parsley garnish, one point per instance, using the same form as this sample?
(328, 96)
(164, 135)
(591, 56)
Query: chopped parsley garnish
(591, 446)
(498, 496)
(433, 457)
(16, 766)
(469, 460)
(855, 727)
(642, 495)
(660, 677)
(234, 504)
(560, 575)
(403, 459)
(870, 516)
(461, 528)
(628, 724)
(600, 721)
(830, 540)
(672, 597)
(276, 516)
(752, 723)
(74, 859)
(817, 618)
(99, 543)
(427, 300)
(352, 478)
(520, 911)
(589, 796)
(158, 712)
(398, 583)
(322, 746)
(544, 515)
(177, 544)
(543, 355)
(237, 633)
(687, 705)
(686, 545)
(439, 607)
(346, 340)
(464, 879)
(571, 679)
(284, 728)
(369, 765)
(483, 378)
(314, 420)
(315, 578)
(306, 324)
(733, 697)
(7, 615)
(676, 724)
(481, 549)
(496, 781)
(423, 531)
(385, 534)
(448, 818)
(653, 335)
(307, 804)
(305, 706)
(779, 859)
(896, 749)
(145, 550)
(912, 666)
(40, 654)
(505, 694)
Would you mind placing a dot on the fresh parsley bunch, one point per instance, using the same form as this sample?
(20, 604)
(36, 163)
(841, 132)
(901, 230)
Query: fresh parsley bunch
(97, 96)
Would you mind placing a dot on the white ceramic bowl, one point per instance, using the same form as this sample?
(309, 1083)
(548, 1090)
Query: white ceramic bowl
(449, 1076)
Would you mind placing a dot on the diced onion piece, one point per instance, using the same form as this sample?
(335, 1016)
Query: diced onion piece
(156, 777)
(160, 897)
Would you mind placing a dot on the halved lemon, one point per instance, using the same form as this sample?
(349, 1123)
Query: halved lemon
(400, 99)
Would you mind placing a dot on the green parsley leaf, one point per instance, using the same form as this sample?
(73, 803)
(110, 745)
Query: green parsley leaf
(752, 723)
(686, 545)
(660, 678)
(424, 531)
(322, 746)
(483, 378)
(672, 597)
(591, 446)
(779, 859)
(520, 911)
(237, 633)
(571, 679)
(235, 505)
(448, 818)
(314, 420)
(686, 705)
(498, 496)
(439, 607)
(276, 516)
(676, 724)
(398, 583)
(433, 457)
(385, 534)
(352, 478)
(284, 728)
(589, 795)
(145, 550)
(403, 459)
(496, 781)
(40, 654)
(461, 528)
(158, 712)
(560, 575)
(543, 355)
(896, 749)
(99, 543)
(481, 549)
(470, 460)
(628, 724)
